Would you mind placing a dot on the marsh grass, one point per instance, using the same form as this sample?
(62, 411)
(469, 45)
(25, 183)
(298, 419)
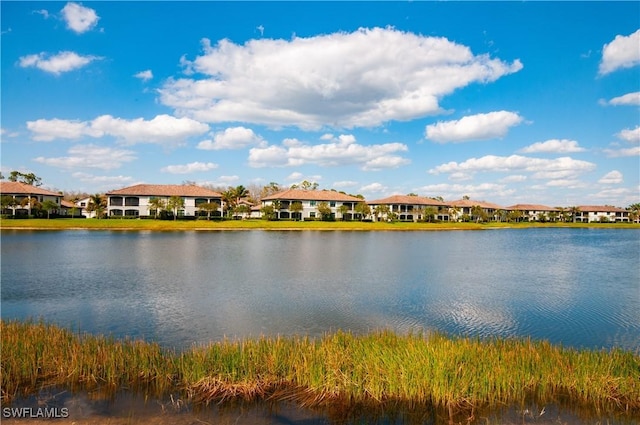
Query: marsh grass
(378, 368)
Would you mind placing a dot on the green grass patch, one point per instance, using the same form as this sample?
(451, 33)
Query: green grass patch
(249, 224)
(337, 368)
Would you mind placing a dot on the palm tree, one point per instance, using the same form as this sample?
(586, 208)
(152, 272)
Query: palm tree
(363, 209)
(476, 212)
(9, 202)
(634, 212)
(453, 213)
(574, 212)
(277, 206)
(157, 205)
(97, 204)
(175, 203)
(381, 210)
(48, 206)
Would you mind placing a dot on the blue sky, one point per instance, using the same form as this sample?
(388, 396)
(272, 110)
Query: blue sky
(527, 102)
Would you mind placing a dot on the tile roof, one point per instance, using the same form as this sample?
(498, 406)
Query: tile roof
(311, 195)
(471, 203)
(18, 188)
(531, 207)
(407, 200)
(166, 190)
(600, 208)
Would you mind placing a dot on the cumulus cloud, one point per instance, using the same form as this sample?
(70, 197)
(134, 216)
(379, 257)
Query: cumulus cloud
(144, 75)
(473, 127)
(232, 138)
(340, 151)
(617, 153)
(612, 177)
(341, 80)
(553, 146)
(162, 129)
(632, 99)
(630, 135)
(557, 168)
(90, 156)
(108, 181)
(192, 167)
(622, 52)
(56, 64)
(79, 18)
(374, 188)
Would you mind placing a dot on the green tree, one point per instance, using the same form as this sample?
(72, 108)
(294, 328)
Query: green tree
(270, 189)
(453, 213)
(343, 210)
(296, 209)
(381, 210)
(174, 204)
(8, 201)
(363, 210)
(476, 213)
(574, 211)
(277, 206)
(634, 212)
(32, 203)
(324, 210)
(49, 206)
(268, 213)
(243, 209)
(430, 213)
(28, 178)
(97, 204)
(156, 205)
(209, 207)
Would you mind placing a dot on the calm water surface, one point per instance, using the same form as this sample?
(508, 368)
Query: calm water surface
(578, 287)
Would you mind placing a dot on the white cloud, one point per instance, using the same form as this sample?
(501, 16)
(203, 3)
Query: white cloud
(79, 18)
(298, 177)
(473, 127)
(90, 156)
(632, 99)
(341, 80)
(232, 138)
(612, 177)
(43, 12)
(617, 153)
(193, 167)
(553, 146)
(622, 52)
(479, 191)
(109, 181)
(630, 135)
(515, 178)
(162, 129)
(340, 151)
(557, 168)
(144, 75)
(374, 188)
(62, 62)
(344, 184)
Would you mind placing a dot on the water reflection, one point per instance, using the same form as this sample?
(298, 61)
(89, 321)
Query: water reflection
(578, 287)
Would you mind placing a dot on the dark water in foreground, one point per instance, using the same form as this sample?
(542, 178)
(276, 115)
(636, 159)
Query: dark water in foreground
(576, 287)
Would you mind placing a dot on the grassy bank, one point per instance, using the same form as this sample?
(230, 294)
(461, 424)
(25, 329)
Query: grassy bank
(203, 225)
(340, 367)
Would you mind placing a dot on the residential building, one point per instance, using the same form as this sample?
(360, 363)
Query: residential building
(532, 212)
(310, 199)
(463, 208)
(27, 198)
(135, 200)
(601, 213)
(408, 207)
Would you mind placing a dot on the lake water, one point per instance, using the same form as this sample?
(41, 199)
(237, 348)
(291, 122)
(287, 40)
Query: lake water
(578, 287)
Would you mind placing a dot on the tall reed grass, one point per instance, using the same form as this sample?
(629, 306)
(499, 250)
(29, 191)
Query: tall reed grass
(446, 372)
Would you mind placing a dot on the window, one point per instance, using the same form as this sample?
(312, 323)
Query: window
(83, 204)
(131, 213)
(131, 201)
(312, 203)
(332, 203)
(312, 215)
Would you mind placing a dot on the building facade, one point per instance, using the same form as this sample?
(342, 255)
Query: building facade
(409, 208)
(601, 213)
(342, 206)
(25, 199)
(135, 201)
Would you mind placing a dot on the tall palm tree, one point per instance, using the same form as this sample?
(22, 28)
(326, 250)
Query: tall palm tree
(453, 213)
(343, 210)
(97, 204)
(574, 212)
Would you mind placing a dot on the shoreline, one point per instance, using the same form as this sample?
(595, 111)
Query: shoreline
(256, 224)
